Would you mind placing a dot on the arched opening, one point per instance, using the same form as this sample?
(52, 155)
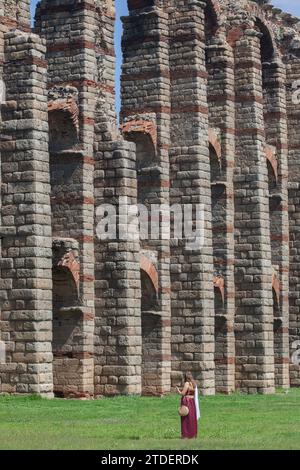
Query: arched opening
(266, 42)
(278, 338)
(215, 165)
(67, 332)
(142, 131)
(275, 204)
(267, 55)
(276, 309)
(270, 102)
(275, 213)
(272, 178)
(145, 149)
(274, 98)
(221, 336)
(63, 134)
(219, 206)
(143, 134)
(218, 301)
(211, 21)
(149, 293)
(65, 292)
(221, 340)
(151, 337)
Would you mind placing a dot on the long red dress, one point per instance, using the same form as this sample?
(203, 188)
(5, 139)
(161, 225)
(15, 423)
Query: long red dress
(189, 423)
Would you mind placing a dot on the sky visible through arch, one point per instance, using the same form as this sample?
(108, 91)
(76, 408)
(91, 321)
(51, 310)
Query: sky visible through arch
(290, 6)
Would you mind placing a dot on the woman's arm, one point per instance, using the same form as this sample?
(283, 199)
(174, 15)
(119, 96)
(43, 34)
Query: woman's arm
(185, 389)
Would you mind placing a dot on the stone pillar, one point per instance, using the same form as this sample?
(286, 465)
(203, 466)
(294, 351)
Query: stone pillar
(221, 99)
(146, 105)
(191, 270)
(274, 79)
(69, 28)
(253, 268)
(26, 287)
(118, 342)
(292, 61)
(118, 320)
(15, 14)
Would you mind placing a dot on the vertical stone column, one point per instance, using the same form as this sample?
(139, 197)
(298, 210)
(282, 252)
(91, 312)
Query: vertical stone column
(274, 79)
(118, 321)
(118, 340)
(145, 98)
(26, 287)
(221, 106)
(2, 99)
(15, 14)
(292, 61)
(191, 270)
(69, 28)
(253, 269)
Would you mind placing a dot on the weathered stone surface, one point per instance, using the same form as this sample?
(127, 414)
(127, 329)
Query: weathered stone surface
(210, 115)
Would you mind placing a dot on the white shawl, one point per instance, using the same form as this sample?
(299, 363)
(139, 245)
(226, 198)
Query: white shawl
(196, 398)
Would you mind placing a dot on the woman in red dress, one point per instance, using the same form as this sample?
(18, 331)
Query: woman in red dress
(189, 425)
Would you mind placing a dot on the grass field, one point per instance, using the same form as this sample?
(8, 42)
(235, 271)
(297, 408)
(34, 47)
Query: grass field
(234, 422)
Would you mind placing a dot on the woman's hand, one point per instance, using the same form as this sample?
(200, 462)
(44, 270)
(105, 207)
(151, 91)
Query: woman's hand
(178, 391)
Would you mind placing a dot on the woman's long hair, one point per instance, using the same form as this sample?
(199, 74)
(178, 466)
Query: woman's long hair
(188, 377)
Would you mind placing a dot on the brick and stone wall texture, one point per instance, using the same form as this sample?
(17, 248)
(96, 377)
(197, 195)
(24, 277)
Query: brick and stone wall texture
(118, 341)
(215, 74)
(26, 279)
(146, 68)
(67, 28)
(210, 119)
(292, 61)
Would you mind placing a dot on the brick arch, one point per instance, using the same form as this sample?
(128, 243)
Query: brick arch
(254, 14)
(69, 262)
(63, 118)
(65, 257)
(264, 29)
(214, 142)
(148, 267)
(259, 13)
(271, 158)
(142, 126)
(67, 106)
(212, 18)
(234, 34)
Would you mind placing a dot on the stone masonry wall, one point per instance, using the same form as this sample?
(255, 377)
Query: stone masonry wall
(146, 53)
(210, 119)
(292, 60)
(221, 107)
(191, 270)
(118, 342)
(65, 25)
(231, 101)
(254, 314)
(26, 284)
(275, 117)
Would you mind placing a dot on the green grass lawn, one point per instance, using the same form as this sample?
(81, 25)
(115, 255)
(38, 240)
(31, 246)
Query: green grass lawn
(228, 422)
